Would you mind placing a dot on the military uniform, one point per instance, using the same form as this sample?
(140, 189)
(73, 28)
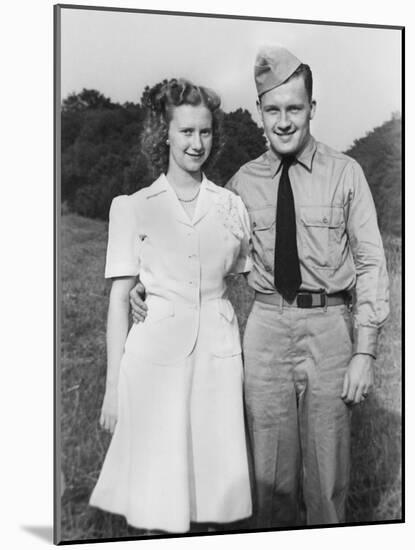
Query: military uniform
(296, 353)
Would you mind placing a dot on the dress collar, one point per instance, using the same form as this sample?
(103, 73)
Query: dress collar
(204, 201)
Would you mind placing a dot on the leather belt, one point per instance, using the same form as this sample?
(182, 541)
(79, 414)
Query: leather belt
(306, 300)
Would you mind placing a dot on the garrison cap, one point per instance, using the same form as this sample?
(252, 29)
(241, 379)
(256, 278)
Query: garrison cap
(273, 66)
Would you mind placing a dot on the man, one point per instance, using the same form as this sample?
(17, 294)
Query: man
(308, 357)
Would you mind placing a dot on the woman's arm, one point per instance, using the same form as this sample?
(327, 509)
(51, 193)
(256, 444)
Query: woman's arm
(117, 329)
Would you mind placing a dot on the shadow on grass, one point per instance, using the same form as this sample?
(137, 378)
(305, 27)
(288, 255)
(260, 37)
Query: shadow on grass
(375, 485)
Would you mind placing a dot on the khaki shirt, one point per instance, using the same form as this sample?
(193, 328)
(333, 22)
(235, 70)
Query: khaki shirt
(338, 239)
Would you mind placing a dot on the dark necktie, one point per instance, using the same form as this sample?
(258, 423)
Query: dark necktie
(286, 263)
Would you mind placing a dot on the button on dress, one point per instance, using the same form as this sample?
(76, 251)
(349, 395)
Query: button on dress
(178, 453)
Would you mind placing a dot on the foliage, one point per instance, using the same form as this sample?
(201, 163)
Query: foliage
(380, 155)
(244, 141)
(87, 99)
(101, 156)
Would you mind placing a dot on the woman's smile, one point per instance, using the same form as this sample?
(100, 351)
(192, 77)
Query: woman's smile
(190, 137)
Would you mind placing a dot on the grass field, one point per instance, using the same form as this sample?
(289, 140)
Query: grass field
(375, 493)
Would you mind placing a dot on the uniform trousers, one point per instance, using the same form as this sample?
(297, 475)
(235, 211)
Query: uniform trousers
(299, 427)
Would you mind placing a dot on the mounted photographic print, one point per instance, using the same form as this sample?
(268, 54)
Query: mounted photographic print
(228, 274)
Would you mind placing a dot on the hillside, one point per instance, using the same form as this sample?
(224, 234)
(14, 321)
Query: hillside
(380, 155)
(375, 493)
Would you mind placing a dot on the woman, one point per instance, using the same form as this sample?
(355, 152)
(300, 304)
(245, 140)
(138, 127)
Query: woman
(174, 383)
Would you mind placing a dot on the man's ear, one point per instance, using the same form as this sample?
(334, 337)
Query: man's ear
(313, 108)
(258, 106)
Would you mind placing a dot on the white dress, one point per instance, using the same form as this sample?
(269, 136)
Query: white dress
(178, 453)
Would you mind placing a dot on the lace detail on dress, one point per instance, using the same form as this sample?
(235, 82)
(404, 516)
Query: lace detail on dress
(228, 212)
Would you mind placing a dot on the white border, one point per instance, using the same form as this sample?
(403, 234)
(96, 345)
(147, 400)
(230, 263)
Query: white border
(26, 278)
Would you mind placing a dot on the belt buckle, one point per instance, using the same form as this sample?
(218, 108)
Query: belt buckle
(304, 300)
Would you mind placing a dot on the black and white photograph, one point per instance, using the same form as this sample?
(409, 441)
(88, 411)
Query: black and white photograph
(228, 274)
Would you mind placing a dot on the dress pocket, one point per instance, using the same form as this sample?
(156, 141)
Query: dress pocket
(321, 235)
(165, 337)
(158, 309)
(226, 310)
(228, 341)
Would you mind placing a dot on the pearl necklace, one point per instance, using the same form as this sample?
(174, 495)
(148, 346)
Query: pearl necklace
(189, 200)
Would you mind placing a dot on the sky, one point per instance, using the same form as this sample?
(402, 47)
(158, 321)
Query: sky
(357, 70)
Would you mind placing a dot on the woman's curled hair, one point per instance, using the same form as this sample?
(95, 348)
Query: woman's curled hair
(159, 102)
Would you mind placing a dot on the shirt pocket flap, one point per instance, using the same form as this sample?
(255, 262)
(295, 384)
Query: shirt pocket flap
(321, 216)
(262, 219)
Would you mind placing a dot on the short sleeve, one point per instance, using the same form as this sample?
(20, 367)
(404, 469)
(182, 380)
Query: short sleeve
(243, 263)
(123, 240)
(232, 184)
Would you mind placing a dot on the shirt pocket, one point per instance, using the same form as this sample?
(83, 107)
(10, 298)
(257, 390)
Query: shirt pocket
(263, 236)
(322, 233)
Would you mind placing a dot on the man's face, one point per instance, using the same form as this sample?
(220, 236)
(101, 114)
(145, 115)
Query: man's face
(286, 112)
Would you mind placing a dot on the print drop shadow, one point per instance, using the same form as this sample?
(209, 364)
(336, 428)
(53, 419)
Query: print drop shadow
(42, 532)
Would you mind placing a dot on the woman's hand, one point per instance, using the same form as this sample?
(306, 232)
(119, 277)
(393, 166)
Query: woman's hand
(109, 411)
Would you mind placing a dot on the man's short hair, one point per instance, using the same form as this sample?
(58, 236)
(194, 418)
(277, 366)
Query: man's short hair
(304, 71)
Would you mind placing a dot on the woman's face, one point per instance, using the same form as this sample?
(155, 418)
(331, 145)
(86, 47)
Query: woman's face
(190, 137)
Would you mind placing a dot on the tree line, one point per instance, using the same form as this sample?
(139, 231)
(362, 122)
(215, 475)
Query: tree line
(101, 157)
(380, 155)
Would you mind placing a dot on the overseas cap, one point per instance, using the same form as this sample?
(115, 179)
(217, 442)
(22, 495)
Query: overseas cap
(273, 65)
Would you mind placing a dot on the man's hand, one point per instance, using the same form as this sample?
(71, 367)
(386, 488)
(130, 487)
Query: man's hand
(358, 379)
(109, 411)
(138, 305)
